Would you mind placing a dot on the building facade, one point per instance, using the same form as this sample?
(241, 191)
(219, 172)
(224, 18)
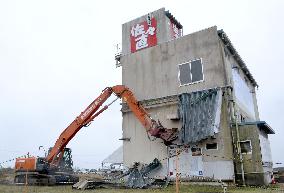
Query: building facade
(198, 84)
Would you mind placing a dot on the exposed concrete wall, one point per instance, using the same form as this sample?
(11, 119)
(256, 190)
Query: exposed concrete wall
(253, 169)
(148, 150)
(140, 148)
(222, 157)
(266, 156)
(255, 172)
(265, 146)
(153, 72)
(219, 170)
(223, 140)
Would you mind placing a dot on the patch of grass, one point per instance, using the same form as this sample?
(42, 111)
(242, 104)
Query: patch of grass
(6, 176)
(169, 189)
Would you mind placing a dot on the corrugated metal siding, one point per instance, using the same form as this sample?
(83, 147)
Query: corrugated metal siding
(200, 115)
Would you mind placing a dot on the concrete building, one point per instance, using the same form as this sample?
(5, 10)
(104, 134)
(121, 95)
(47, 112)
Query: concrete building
(198, 84)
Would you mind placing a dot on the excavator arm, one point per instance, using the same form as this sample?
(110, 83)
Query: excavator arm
(153, 127)
(93, 110)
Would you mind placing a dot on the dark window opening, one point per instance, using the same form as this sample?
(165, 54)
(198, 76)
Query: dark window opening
(243, 118)
(184, 74)
(191, 72)
(211, 146)
(196, 70)
(196, 151)
(245, 146)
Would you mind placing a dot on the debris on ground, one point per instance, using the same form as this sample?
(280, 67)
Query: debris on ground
(95, 184)
(136, 177)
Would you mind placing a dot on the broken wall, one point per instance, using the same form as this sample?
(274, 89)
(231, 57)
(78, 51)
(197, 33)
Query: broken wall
(208, 163)
(153, 75)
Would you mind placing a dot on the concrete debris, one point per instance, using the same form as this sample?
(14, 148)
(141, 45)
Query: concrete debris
(81, 185)
(95, 184)
(138, 177)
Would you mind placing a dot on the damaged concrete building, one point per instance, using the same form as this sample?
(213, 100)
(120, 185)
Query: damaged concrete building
(198, 84)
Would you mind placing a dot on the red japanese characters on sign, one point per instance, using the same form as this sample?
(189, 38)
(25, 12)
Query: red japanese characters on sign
(143, 35)
(175, 31)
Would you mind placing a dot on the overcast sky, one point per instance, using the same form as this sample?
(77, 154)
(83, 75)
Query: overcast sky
(57, 56)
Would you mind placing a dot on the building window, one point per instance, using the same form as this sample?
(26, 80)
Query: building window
(243, 118)
(210, 146)
(196, 151)
(191, 72)
(246, 146)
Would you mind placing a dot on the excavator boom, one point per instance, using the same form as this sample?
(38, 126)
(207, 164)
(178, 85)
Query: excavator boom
(56, 153)
(80, 121)
(152, 127)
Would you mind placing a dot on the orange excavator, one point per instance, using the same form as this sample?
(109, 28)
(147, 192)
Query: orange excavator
(47, 170)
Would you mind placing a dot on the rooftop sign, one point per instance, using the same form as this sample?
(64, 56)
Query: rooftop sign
(143, 35)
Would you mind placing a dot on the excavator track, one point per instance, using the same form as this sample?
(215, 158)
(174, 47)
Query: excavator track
(35, 178)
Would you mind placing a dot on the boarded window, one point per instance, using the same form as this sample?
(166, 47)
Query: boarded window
(245, 146)
(191, 72)
(211, 146)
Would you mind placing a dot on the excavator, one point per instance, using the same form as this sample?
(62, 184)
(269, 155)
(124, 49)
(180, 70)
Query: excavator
(47, 170)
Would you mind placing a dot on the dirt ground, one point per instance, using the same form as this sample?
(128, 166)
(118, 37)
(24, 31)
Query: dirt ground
(169, 189)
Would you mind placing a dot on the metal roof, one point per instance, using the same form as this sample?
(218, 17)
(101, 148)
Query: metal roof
(227, 42)
(261, 125)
